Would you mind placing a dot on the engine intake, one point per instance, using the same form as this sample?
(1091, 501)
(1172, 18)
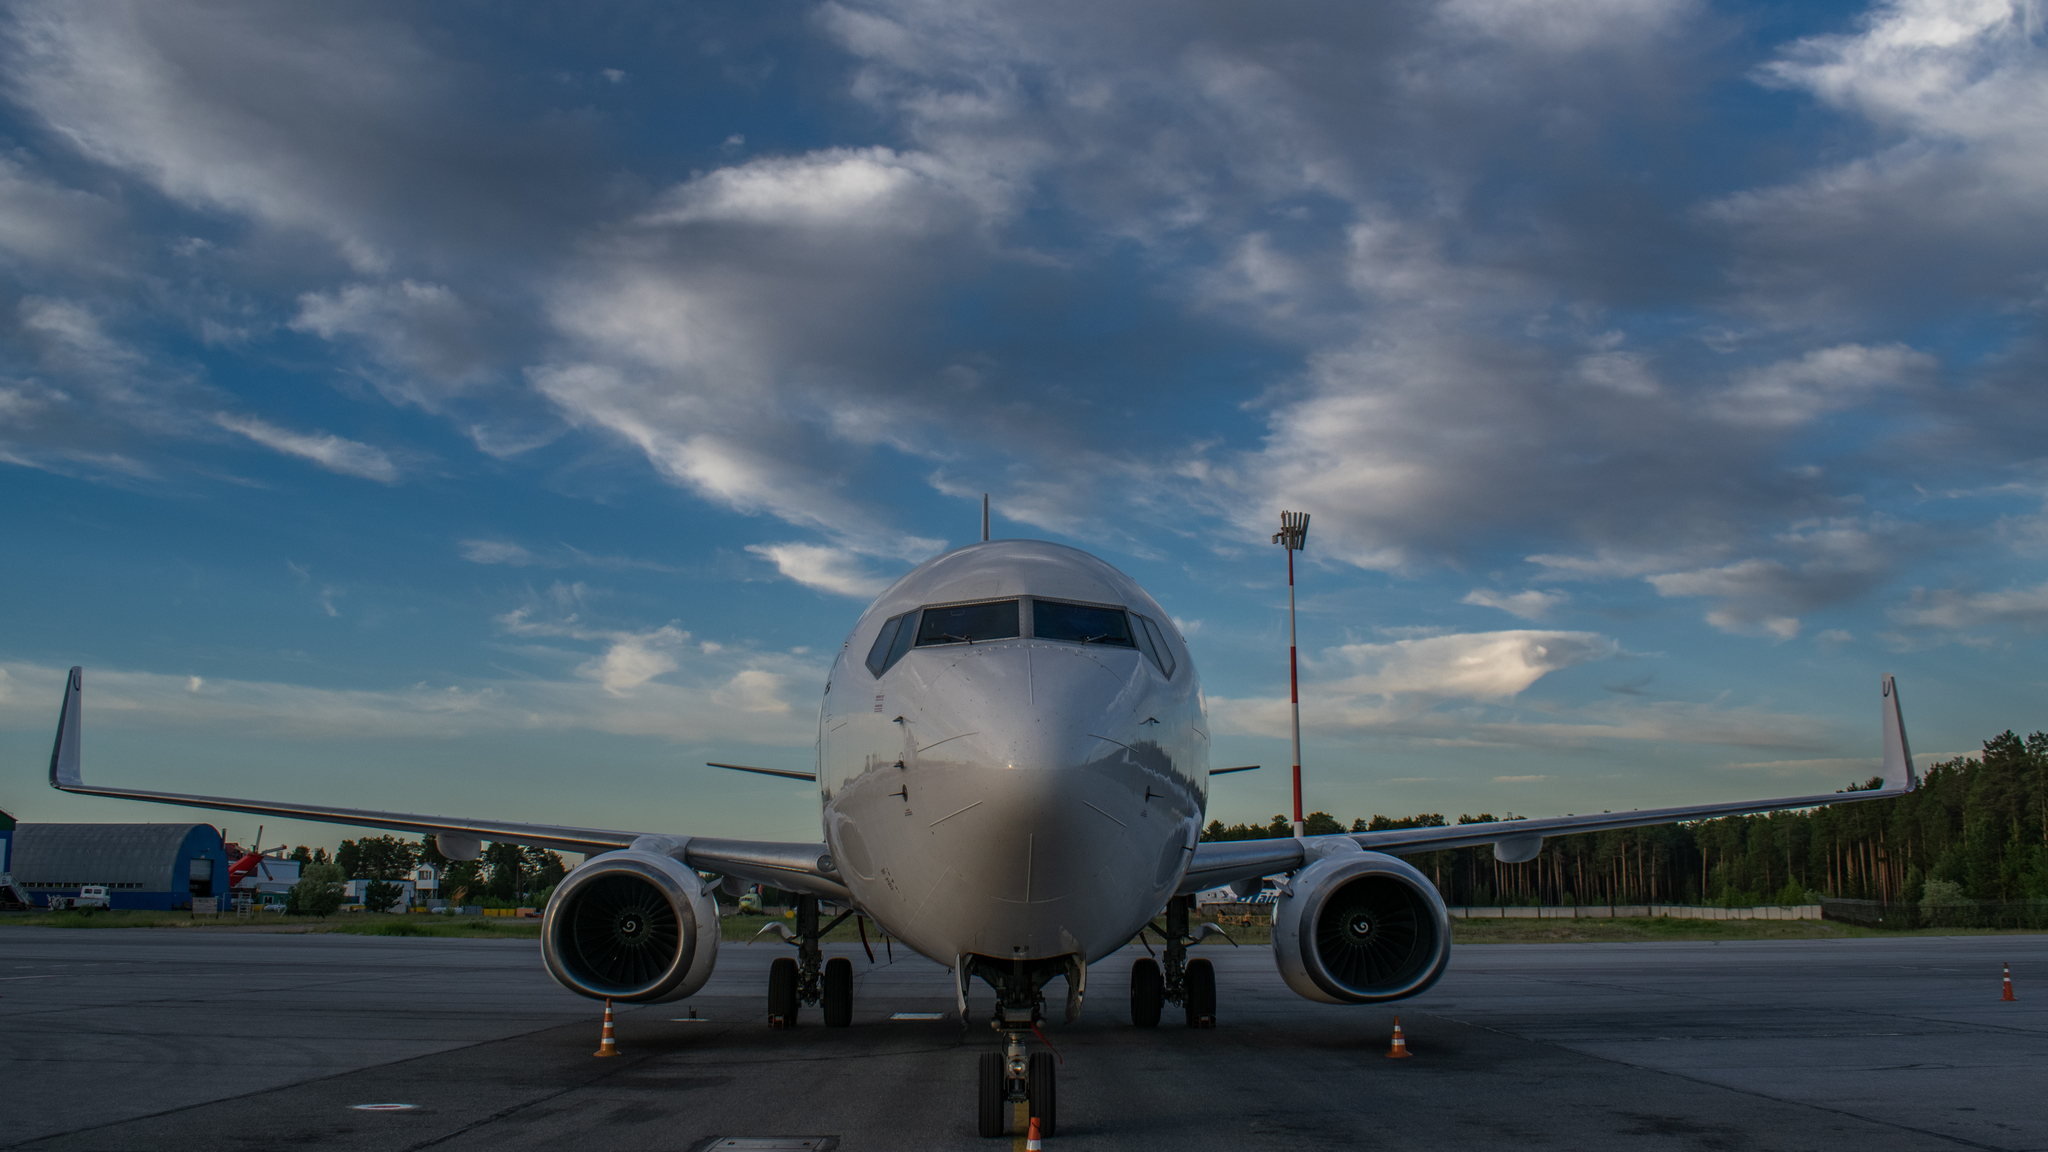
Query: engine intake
(631, 925)
(1359, 928)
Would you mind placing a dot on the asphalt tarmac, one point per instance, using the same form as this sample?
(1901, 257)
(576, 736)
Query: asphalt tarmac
(171, 1039)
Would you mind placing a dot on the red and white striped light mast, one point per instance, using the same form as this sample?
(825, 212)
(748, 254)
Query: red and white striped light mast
(1293, 535)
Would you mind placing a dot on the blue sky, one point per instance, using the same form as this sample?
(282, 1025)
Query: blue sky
(463, 412)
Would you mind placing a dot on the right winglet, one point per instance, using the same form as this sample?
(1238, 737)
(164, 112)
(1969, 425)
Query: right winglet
(1898, 755)
(64, 753)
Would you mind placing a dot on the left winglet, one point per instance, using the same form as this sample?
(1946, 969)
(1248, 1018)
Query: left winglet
(1898, 755)
(64, 753)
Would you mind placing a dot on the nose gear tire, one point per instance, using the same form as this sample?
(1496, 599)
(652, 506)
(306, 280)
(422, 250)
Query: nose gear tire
(782, 993)
(1200, 993)
(995, 1110)
(1148, 993)
(1043, 1089)
(838, 992)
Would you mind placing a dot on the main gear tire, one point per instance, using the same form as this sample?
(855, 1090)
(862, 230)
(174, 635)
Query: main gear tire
(1199, 995)
(782, 993)
(838, 992)
(1148, 993)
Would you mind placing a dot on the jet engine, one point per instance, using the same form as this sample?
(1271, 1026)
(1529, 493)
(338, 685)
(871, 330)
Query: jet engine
(631, 925)
(1360, 927)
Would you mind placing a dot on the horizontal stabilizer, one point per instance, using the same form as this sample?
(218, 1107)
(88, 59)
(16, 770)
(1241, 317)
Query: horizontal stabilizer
(783, 772)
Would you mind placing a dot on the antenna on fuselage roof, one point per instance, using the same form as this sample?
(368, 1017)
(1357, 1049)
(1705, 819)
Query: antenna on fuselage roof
(984, 517)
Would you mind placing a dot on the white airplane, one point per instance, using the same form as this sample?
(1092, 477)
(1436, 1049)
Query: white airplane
(1013, 764)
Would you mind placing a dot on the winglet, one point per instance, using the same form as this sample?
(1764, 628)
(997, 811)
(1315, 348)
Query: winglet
(64, 753)
(1898, 755)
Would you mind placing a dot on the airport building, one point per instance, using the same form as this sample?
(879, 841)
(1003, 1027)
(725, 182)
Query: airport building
(147, 866)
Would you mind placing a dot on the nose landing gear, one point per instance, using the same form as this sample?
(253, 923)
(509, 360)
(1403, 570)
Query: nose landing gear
(1013, 1076)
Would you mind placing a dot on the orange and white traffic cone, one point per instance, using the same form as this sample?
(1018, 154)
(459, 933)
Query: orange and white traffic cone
(2008, 985)
(1400, 1049)
(1031, 1141)
(609, 1046)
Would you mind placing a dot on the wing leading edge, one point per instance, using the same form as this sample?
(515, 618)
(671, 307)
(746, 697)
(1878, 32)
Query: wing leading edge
(802, 867)
(1518, 841)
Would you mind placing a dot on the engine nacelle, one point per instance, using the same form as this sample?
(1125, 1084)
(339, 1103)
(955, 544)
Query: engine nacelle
(1360, 927)
(631, 925)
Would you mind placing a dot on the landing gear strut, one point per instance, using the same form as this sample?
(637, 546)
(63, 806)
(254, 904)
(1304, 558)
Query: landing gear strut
(1013, 1076)
(810, 978)
(1188, 983)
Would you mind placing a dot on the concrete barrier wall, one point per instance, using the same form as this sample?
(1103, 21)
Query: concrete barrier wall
(1604, 911)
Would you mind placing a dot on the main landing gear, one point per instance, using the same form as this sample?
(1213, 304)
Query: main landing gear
(1188, 983)
(809, 978)
(1012, 1076)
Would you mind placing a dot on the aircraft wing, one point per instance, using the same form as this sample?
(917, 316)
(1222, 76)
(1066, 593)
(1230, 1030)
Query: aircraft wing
(799, 867)
(1518, 841)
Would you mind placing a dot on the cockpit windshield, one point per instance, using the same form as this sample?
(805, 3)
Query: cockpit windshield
(1081, 623)
(968, 623)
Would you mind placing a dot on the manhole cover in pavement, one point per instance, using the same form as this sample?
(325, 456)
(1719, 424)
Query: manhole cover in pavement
(383, 1107)
(919, 1015)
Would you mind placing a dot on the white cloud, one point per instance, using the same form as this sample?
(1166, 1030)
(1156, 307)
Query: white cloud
(1828, 562)
(1529, 605)
(1360, 687)
(820, 566)
(497, 552)
(44, 221)
(635, 658)
(862, 189)
(1959, 68)
(2026, 608)
(1951, 198)
(348, 457)
(1466, 665)
(433, 344)
(755, 690)
(1793, 392)
(1520, 779)
(1836, 770)
(734, 697)
(213, 106)
(1566, 27)
(516, 555)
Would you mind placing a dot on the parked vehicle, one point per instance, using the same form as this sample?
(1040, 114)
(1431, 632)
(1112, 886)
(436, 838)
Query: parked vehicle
(89, 898)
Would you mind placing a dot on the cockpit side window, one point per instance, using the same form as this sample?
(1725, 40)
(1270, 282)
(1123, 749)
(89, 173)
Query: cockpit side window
(1081, 624)
(891, 643)
(968, 623)
(1153, 642)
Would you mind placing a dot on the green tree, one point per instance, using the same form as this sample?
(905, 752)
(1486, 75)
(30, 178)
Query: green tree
(1320, 824)
(380, 895)
(377, 858)
(318, 892)
(514, 873)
